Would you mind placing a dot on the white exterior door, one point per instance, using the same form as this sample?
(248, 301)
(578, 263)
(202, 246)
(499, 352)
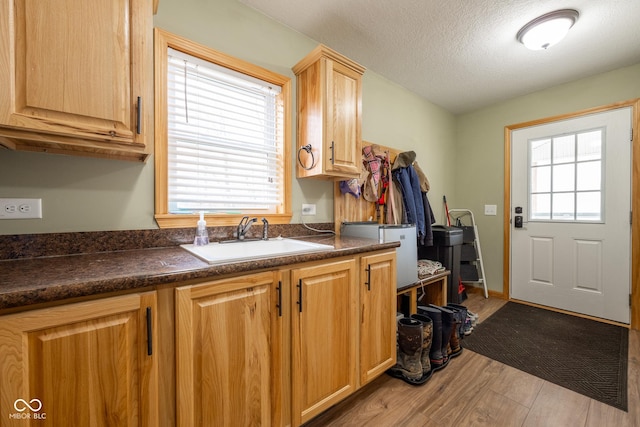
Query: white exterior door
(571, 189)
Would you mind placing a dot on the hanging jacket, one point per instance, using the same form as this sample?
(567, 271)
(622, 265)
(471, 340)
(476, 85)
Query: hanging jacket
(429, 218)
(413, 184)
(409, 184)
(399, 215)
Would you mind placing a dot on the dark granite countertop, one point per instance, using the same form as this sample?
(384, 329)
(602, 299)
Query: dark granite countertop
(28, 281)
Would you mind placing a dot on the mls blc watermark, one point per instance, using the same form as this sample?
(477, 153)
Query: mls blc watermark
(31, 410)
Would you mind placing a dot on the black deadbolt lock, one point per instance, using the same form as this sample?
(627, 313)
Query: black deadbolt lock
(518, 222)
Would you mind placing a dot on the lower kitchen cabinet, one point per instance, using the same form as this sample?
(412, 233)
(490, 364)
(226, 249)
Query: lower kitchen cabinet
(279, 347)
(271, 348)
(85, 364)
(378, 316)
(226, 371)
(324, 337)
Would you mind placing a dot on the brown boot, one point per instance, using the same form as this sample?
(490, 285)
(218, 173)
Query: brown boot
(409, 351)
(454, 349)
(427, 337)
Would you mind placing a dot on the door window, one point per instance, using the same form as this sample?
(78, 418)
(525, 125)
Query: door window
(565, 177)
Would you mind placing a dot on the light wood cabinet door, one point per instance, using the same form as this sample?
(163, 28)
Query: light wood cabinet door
(342, 143)
(378, 316)
(329, 100)
(75, 76)
(324, 337)
(225, 332)
(84, 364)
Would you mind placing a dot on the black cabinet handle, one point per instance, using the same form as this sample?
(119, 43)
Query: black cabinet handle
(279, 305)
(299, 295)
(149, 333)
(368, 282)
(332, 152)
(139, 116)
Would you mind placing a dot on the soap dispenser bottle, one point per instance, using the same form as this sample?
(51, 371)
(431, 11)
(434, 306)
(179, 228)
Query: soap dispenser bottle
(202, 237)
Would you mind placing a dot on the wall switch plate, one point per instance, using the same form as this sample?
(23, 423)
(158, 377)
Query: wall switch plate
(490, 210)
(20, 208)
(308, 209)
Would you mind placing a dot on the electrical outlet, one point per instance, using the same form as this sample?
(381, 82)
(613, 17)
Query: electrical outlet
(20, 208)
(308, 209)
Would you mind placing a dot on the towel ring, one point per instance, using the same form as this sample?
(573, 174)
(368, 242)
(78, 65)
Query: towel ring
(306, 148)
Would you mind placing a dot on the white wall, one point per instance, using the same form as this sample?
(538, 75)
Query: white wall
(480, 147)
(85, 194)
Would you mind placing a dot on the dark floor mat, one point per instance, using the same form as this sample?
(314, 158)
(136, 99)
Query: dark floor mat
(585, 356)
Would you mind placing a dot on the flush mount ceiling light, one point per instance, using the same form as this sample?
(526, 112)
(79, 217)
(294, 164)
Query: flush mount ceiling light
(548, 29)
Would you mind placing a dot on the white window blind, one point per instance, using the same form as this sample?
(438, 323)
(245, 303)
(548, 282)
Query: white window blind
(224, 133)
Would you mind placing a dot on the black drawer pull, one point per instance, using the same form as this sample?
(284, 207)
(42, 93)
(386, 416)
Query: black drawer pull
(149, 333)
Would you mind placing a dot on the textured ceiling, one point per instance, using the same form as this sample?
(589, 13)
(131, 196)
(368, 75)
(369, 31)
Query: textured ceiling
(463, 54)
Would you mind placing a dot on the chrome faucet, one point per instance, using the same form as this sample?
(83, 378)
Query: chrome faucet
(265, 229)
(243, 227)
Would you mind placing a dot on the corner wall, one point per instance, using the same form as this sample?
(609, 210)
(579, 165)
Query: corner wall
(480, 148)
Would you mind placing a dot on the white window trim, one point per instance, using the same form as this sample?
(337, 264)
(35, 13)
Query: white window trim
(574, 192)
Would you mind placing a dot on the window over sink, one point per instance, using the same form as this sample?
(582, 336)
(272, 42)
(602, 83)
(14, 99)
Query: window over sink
(222, 136)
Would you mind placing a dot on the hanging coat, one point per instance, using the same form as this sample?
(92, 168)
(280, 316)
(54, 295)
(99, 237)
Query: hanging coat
(429, 218)
(413, 185)
(412, 198)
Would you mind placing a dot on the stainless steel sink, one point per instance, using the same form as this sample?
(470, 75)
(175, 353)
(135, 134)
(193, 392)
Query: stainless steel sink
(217, 253)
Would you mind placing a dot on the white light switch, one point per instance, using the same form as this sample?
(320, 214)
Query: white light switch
(490, 209)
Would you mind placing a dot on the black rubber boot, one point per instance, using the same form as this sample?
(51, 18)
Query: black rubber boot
(409, 351)
(447, 326)
(427, 337)
(435, 354)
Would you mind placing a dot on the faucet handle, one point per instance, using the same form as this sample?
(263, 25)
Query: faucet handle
(265, 229)
(243, 227)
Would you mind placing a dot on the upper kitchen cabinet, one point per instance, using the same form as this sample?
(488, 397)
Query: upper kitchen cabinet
(76, 77)
(329, 95)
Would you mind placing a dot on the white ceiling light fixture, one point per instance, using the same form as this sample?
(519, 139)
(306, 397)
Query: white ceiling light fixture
(548, 29)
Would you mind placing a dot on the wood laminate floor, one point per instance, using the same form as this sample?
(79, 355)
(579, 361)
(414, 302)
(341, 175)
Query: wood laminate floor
(477, 391)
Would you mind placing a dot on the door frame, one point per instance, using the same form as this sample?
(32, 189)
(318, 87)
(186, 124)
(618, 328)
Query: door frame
(635, 198)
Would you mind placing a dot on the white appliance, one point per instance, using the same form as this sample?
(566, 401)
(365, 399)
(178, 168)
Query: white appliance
(406, 254)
